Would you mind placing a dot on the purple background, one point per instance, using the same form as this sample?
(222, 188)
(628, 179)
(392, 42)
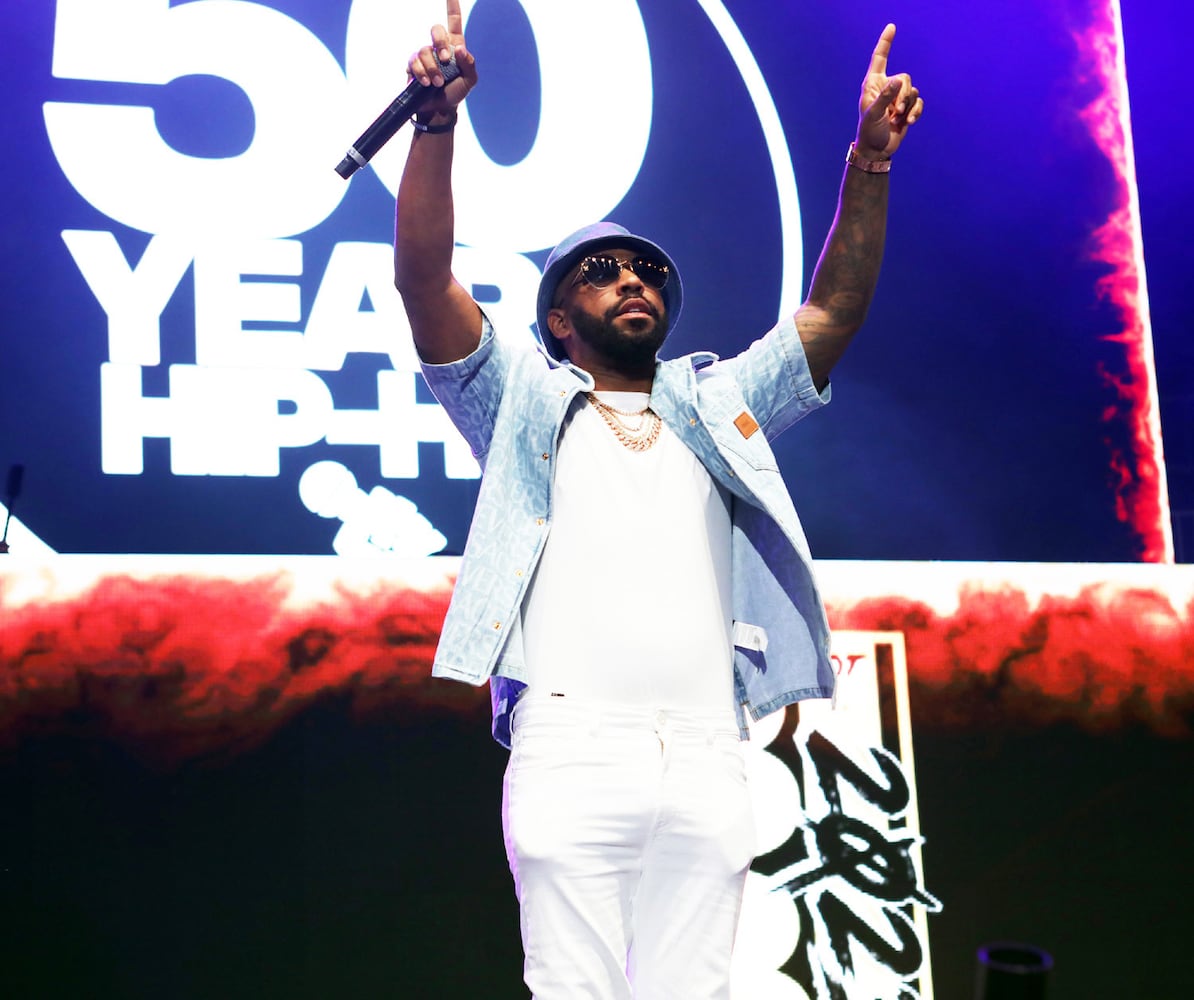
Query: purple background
(967, 421)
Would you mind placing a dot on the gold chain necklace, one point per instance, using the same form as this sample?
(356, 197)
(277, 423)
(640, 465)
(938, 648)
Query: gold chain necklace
(638, 437)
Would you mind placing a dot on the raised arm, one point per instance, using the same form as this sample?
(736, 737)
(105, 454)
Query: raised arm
(845, 277)
(444, 319)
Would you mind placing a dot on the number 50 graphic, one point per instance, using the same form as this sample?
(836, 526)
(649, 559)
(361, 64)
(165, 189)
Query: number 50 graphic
(307, 110)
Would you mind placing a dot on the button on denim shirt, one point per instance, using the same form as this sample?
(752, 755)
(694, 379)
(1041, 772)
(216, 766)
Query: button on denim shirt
(509, 402)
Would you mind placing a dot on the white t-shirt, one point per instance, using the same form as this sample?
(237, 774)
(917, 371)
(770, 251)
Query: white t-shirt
(630, 602)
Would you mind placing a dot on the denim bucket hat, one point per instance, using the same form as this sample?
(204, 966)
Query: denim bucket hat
(600, 236)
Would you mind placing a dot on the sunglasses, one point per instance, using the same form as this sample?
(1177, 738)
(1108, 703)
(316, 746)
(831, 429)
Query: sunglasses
(601, 271)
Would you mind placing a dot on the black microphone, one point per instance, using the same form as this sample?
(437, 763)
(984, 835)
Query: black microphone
(16, 476)
(16, 473)
(391, 120)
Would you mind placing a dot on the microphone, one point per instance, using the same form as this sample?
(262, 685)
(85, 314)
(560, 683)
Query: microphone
(16, 473)
(391, 120)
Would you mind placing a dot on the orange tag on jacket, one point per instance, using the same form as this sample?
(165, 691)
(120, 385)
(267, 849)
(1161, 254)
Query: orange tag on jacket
(746, 424)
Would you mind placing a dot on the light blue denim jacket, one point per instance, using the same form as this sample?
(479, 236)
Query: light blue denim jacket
(509, 401)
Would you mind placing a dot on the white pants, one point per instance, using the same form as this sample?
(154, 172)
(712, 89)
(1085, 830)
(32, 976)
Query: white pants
(629, 834)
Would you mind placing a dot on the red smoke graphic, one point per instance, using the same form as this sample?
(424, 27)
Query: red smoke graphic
(1138, 478)
(1106, 658)
(179, 667)
(174, 668)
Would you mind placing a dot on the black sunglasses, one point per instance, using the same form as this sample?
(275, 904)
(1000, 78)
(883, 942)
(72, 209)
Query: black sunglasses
(601, 271)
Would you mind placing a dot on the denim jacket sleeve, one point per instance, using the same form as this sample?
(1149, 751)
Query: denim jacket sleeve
(471, 389)
(775, 380)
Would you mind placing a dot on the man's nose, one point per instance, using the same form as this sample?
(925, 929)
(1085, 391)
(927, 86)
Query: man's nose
(628, 279)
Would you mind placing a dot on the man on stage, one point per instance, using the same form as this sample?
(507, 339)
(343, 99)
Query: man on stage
(636, 579)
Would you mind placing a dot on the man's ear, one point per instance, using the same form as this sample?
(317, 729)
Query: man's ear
(557, 323)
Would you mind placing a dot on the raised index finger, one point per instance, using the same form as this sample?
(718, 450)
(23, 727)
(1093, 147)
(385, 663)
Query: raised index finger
(455, 23)
(882, 50)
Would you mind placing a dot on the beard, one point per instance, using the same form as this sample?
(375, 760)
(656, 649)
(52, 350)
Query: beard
(630, 349)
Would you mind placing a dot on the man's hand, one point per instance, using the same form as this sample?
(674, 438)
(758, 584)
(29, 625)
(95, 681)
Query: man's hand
(889, 104)
(424, 65)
